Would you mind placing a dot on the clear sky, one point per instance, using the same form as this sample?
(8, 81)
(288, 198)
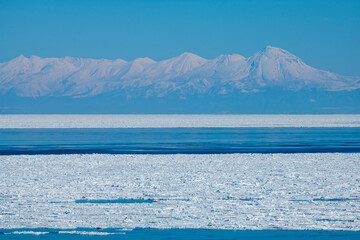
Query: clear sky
(325, 34)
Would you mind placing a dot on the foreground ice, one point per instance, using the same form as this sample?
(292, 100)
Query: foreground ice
(225, 191)
(171, 121)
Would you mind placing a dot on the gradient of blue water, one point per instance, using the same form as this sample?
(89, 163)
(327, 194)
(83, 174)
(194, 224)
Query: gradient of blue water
(179, 140)
(187, 234)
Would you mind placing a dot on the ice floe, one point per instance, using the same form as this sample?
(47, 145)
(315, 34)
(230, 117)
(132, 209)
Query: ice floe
(173, 121)
(220, 191)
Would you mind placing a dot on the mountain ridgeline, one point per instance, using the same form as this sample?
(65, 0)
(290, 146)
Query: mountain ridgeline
(271, 81)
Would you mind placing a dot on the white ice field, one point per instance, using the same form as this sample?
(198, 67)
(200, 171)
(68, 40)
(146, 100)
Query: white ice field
(173, 121)
(224, 191)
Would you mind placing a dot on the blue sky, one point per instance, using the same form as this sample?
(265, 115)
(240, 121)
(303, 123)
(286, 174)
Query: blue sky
(325, 34)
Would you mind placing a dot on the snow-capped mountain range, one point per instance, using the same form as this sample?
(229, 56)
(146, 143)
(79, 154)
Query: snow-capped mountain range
(187, 74)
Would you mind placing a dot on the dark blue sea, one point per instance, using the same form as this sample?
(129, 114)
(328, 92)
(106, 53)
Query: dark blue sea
(182, 234)
(178, 140)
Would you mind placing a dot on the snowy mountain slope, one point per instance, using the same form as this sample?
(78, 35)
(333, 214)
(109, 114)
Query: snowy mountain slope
(187, 74)
(277, 67)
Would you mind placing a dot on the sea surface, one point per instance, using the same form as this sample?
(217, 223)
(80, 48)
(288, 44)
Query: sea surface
(175, 234)
(178, 140)
(179, 176)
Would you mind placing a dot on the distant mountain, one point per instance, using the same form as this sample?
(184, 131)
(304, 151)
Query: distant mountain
(187, 76)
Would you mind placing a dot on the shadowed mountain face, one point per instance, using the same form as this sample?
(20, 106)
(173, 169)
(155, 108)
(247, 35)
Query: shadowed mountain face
(188, 77)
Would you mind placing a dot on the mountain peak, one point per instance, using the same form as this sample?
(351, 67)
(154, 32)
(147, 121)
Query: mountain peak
(20, 58)
(187, 56)
(229, 57)
(144, 60)
(34, 57)
(270, 51)
(120, 60)
(269, 47)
